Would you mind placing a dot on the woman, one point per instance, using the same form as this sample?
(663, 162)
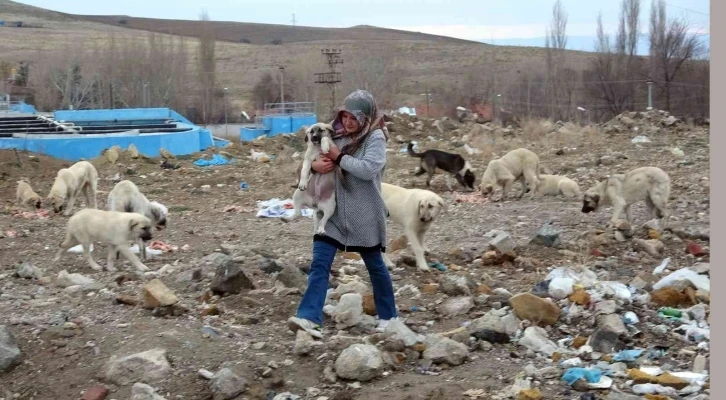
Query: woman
(359, 221)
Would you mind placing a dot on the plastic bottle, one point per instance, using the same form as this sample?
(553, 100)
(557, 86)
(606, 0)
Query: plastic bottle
(670, 312)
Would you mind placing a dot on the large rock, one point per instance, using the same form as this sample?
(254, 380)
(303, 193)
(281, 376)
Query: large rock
(226, 385)
(293, 277)
(9, 351)
(612, 323)
(504, 243)
(65, 279)
(547, 235)
(535, 339)
(230, 278)
(304, 343)
(148, 367)
(28, 271)
(403, 332)
(142, 391)
(536, 309)
(456, 306)
(360, 362)
(440, 349)
(349, 310)
(156, 294)
(500, 321)
(604, 340)
(455, 285)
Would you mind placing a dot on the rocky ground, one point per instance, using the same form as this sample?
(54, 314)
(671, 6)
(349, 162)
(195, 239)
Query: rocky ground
(506, 316)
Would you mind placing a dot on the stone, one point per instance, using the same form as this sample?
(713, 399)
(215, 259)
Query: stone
(156, 294)
(98, 392)
(695, 249)
(668, 297)
(501, 321)
(438, 125)
(456, 306)
(304, 343)
(132, 151)
(535, 338)
(28, 271)
(230, 278)
(293, 277)
(225, 384)
(430, 288)
(673, 381)
(580, 296)
(560, 287)
(612, 323)
(148, 366)
(504, 243)
(606, 307)
(360, 362)
(456, 285)
(621, 396)
(403, 332)
(349, 310)
(653, 247)
(547, 235)
(440, 349)
(603, 340)
(369, 305)
(579, 341)
(529, 394)
(269, 266)
(65, 279)
(699, 364)
(491, 336)
(142, 391)
(9, 350)
(541, 311)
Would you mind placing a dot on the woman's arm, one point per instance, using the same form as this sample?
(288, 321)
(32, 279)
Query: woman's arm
(372, 161)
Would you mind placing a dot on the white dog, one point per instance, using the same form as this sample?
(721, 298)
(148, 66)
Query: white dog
(649, 184)
(414, 210)
(69, 183)
(554, 185)
(26, 196)
(126, 197)
(316, 190)
(112, 228)
(519, 164)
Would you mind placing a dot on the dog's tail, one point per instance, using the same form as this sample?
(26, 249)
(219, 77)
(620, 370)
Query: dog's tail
(411, 152)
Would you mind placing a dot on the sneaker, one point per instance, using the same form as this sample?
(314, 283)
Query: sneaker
(382, 324)
(295, 324)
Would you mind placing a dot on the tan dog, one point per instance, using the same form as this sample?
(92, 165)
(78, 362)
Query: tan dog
(112, 228)
(26, 196)
(649, 184)
(126, 197)
(519, 164)
(554, 185)
(69, 183)
(414, 210)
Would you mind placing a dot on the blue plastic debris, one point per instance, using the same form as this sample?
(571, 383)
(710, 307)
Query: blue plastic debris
(441, 267)
(216, 160)
(414, 308)
(628, 355)
(243, 185)
(572, 375)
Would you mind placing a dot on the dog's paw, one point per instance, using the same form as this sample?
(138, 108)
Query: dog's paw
(142, 268)
(111, 268)
(96, 267)
(321, 231)
(424, 269)
(302, 187)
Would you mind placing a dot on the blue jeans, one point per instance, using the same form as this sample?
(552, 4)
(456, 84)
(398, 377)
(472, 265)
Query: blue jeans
(311, 306)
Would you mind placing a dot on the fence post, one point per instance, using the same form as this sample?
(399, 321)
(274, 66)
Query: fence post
(650, 94)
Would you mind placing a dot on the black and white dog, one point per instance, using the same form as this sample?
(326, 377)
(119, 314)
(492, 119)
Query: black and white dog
(315, 190)
(433, 161)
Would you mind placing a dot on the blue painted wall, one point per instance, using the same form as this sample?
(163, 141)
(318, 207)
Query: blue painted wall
(23, 108)
(75, 147)
(274, 125)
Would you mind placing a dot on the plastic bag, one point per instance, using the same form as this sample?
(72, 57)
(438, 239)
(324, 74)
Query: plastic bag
(628, 355)
(701, 282)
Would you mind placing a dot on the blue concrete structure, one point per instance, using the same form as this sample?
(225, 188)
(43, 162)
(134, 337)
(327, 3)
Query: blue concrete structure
(22, 107)
(275, 124)
(74, 146)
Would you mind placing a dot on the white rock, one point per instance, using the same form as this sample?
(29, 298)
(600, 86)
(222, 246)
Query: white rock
(535, 339)
(148, 366)
(360, 362)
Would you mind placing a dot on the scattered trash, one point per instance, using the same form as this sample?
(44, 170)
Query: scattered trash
(677, 152)
(640, 139)
(79, 249)
(652, 388)
(237, 209)
(159, 245)
(243, 185)
(165, 164)
(471, 150)
(591, 375)
(276, 208)
(581, 275)
(655, 353)
(659, 269)
(628, 355)
(668, 312)
(441, 267)
(259, 156)
(149, 250)
(216, 160)
(701, 282)
(630, 318)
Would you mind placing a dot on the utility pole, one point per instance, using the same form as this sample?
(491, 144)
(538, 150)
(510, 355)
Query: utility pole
(224, 100)
(293, 19)
(428, 100)
(282, 88)
(332, 77)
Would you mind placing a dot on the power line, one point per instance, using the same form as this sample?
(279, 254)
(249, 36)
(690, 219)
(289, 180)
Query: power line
(687, 9)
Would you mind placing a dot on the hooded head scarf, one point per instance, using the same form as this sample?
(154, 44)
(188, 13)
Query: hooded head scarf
(362, 105)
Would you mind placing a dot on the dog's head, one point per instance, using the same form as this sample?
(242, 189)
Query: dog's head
(469, 178)
(139, 227)
(590, 200)
(486, 189)
(159, 212)
(36, 202)
(56, 202)
(316, 132)
(430, 207)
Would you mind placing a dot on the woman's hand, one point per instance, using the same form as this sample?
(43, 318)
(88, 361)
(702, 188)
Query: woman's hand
(333, 152)
(323, 165)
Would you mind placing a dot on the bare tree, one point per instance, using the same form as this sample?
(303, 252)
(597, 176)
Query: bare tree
(671, 46)
(555, 44)
(207, 66)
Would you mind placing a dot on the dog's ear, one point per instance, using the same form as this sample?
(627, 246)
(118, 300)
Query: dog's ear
(596, 198)
(306, 136)
(444, 206)
(132, 224)
(156, 213)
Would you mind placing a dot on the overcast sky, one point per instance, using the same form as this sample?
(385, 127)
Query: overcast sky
(474, 19)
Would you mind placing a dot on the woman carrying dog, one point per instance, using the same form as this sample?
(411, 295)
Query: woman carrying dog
(359, 221)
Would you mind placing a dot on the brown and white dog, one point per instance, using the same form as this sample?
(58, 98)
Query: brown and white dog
(26, 196)
(316, 190)
(649, 184)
